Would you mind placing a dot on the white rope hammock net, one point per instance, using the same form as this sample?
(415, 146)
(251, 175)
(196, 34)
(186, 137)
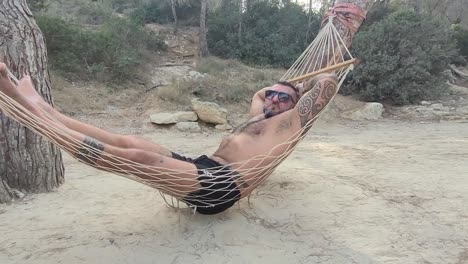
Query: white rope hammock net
(327, 51)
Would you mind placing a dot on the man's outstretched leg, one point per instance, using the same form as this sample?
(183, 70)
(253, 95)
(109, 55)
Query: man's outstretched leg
(26, 88)
(176, 177)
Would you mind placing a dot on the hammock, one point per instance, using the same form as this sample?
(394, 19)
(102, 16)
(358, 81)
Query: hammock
(327, 53)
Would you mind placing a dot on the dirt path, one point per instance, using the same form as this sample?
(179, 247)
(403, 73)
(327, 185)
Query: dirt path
(386, 192)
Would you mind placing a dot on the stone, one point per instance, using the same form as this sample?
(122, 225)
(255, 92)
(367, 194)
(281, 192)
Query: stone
(458, 90)
(450, 77)
(188, 127)
(224, 127)
(210, 112)
(440, 107)
(173, 118)
(164, 76)
(370, 111)
(462, 110)
(17, 194)
(194, 75)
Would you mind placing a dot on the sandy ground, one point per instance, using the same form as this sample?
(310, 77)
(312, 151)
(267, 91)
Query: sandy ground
(384, 192)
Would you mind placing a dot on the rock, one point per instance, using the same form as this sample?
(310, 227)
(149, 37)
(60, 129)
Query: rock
(210, 112)
(370, 111)
(462, 110)
(163, 76)
(224, 127)
(460, 73)
(458, 90)
(440, 107)
(194, 75)
(172, 118)
(449, 74)
(17, 194)
(188, 127)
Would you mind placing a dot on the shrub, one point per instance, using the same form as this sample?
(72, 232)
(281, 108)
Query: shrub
(403, 57)
(92, 13)
(121, 5)
(151, 13)
(37, 5)
(110, 52)
(228, 81)
(161, 12)
(272, 33)
(177, 92)
(461, 37)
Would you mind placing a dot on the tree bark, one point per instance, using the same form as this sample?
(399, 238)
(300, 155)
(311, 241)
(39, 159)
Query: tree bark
(174, 14)
(28, 162)
(239, 33)
(248, 5)
(344, 31)
(309, 20)
(203, 43)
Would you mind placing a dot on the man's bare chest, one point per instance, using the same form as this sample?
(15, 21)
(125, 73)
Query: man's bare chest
(254, 128)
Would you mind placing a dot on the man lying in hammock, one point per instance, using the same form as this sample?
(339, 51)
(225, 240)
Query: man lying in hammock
(211, 184)
(278, 113)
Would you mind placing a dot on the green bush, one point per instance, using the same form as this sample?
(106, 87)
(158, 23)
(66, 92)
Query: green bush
(403, 57)
(37, 5)
(272, 33)
(461, 37)
(108, 53)
(121, 5)
(92, 13)
(161, 12)
(152, 13)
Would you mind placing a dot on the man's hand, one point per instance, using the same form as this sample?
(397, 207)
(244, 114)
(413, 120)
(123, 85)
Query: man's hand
(258, 101)
(304, 87)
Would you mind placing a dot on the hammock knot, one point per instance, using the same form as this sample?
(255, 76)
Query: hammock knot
(342, 11)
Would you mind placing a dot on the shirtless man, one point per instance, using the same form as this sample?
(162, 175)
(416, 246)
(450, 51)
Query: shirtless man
(207, 184)
(277, 114)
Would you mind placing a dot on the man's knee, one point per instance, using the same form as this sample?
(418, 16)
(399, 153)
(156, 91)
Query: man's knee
(126, 141)
(139, 156)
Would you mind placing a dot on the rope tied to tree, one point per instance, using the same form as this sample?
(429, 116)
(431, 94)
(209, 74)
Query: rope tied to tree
(342, 12)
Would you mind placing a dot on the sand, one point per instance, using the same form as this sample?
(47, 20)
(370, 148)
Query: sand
(383, 192)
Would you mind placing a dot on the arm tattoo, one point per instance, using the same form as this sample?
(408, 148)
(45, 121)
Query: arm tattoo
(313, 102)
(90, 150)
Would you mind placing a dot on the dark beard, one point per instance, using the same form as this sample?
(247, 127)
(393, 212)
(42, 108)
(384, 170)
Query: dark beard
(268, 113)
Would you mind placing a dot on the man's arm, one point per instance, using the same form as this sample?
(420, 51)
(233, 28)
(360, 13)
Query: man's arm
(258, 101)
(315, 95)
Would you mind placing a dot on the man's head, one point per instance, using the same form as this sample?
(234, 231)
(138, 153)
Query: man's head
(280, 97)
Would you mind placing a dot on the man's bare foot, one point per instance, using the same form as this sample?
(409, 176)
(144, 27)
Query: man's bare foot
(6, 86)
(26, 88)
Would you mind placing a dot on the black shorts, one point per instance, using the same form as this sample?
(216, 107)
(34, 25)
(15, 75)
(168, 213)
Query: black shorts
(218, 190)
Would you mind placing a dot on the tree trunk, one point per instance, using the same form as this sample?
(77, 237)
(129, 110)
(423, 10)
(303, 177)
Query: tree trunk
(203, 31)
(248, 5)
(309, 25)
(324, 5)
(174, 14)
(29, 163)
(239, 33)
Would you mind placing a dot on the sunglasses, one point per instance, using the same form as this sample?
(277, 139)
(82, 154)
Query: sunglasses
(282, 97)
